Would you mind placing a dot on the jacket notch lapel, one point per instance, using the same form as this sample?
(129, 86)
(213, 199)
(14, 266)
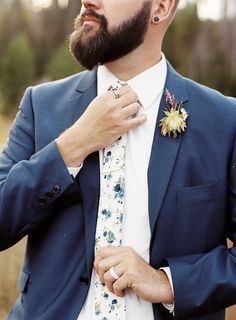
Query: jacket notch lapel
(83, 94)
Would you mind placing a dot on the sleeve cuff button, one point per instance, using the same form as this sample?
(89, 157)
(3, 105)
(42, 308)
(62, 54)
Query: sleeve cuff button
(56, 189)
(42, 202)
(49, 195)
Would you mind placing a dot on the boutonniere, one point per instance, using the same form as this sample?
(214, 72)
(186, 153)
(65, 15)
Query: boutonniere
(175, 120)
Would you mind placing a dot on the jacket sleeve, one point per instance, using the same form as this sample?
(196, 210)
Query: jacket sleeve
(30, 182)
(205, 283)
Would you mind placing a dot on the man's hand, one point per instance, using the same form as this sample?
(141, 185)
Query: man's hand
(104, 121)
(134, 272)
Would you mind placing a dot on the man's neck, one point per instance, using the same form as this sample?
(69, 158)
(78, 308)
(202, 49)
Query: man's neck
(133, 64)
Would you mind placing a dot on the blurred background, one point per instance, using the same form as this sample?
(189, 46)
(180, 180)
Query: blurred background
(201, 44)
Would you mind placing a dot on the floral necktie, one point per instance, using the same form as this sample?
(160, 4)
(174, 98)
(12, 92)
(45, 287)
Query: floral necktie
(109, 225)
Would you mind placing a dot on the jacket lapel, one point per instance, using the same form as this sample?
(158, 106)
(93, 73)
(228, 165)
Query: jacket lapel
(89, 176)
(83, 93)
(164, 150)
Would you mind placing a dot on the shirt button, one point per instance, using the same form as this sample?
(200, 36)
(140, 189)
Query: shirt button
(42, 202)
(49, 195)
(56, 189)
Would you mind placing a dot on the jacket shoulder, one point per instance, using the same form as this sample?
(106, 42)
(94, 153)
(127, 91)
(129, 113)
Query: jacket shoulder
(207, 96)
(58, 86)
(210, 111)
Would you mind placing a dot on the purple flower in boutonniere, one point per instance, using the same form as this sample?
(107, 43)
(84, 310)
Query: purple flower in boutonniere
(175, 120)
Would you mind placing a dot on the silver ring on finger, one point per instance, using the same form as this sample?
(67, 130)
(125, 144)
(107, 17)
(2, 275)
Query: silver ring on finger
(115, 91)
(113, 274)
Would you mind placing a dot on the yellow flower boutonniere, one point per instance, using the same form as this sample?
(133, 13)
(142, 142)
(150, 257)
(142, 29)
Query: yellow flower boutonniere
(175, 120)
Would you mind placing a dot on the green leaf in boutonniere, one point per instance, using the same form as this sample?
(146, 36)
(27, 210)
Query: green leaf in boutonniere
(175, 120)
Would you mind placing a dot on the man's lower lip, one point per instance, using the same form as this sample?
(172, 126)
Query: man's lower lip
(90, 23)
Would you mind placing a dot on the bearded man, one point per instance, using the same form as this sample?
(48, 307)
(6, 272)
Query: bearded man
(123, 178)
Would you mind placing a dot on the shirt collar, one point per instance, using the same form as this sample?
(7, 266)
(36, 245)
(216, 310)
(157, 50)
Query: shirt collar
(148, 85)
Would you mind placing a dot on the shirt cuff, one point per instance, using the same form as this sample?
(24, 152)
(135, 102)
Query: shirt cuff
(73, 171)
(168, 306)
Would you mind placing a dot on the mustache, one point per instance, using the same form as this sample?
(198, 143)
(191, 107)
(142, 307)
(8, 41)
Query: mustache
(90, 13)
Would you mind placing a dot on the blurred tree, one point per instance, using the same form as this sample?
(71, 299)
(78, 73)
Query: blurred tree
(212, 60)
(49, 29)
(17, 72)
(62, 64)
(19, 17)
(180, 40)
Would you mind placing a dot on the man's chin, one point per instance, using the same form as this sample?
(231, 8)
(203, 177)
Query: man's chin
(89, 29)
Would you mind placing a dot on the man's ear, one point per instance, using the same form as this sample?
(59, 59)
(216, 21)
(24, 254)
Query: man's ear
(162, 10)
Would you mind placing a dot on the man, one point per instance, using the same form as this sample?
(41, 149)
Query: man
(177, 139)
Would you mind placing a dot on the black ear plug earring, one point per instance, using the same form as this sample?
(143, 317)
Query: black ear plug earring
(156, 19)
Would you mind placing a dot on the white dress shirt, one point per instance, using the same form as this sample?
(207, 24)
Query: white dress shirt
(149, 86)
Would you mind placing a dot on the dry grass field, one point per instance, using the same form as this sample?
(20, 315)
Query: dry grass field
(11, 259)
(4, 128)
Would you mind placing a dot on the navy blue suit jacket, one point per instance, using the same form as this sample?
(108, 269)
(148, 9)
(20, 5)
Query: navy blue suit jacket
(192, 202)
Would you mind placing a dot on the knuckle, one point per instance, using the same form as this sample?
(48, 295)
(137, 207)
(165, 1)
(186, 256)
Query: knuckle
(134, 123)
(100, 265)
(135, 96)
(120, 126)
(125, 89)
(129, 274)
(137, 106)
(106, 277)
(132, 96)
(110, 289)
(115, 286)
(100, 252)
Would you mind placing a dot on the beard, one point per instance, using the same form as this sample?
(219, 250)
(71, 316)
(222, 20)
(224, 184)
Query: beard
(101, 46)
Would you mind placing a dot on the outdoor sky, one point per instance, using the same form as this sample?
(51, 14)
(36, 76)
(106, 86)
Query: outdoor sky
(206, 8)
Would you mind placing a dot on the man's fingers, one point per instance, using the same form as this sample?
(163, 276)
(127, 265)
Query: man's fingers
(120, 285)
(128, 98)
(105, 264)
(130, 110)
(112, 250)
(96, 261)
(135, 122)
(120, 91)
(109, 279)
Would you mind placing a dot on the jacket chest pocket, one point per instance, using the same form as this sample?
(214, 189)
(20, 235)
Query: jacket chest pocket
(201, 193)
(201, 214)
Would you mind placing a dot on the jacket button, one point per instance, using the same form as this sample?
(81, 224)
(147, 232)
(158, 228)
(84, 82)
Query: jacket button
(56, 189)
(84, 280)
(49, 195)
(42, 202)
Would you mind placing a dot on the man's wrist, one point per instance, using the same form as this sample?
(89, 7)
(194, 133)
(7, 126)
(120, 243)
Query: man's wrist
(167, 296)
(71, 151)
